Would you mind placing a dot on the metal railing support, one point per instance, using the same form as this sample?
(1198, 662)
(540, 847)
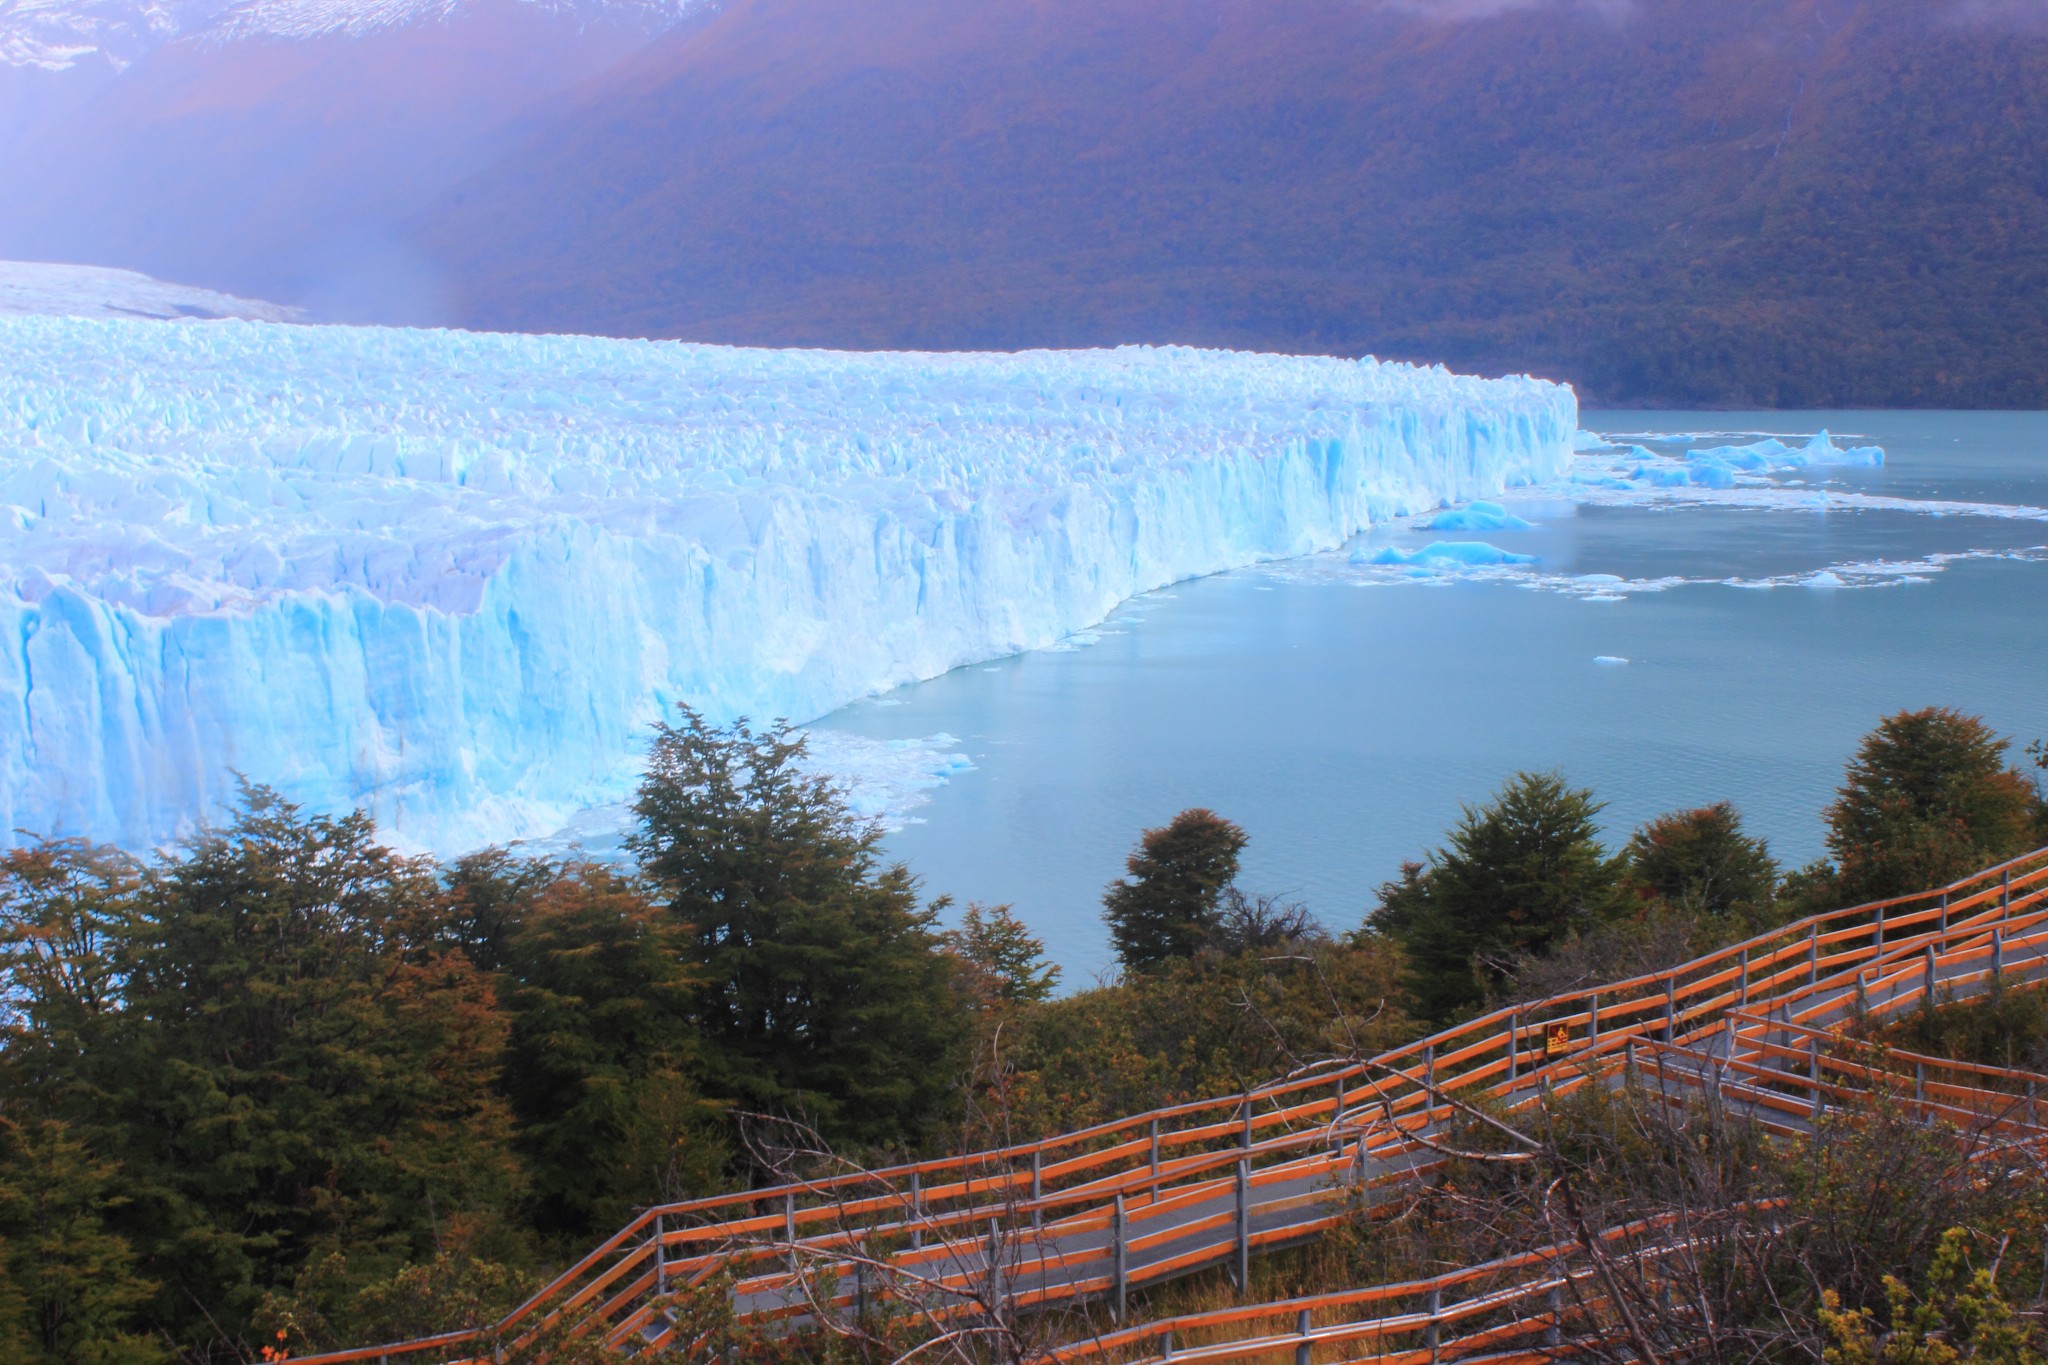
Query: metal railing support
(1244, 1226)
(1742, 1001)
(1514, 1032)
(1304, 1350)
(1593, 1017)
(1671, 1008)
(1554, 1303)
(916, 1210)
(660, 1257)
(1942, 924)
(1429, 1073)
(1166, 1345)
(1247, 1143)
(1037, 1185)
(1813, 1075)
(1997, 962)
(1813, 957)
(1119, 1266)
(1879, 945)
(1927, 982)
(1154, 1130)
(1433, 1305)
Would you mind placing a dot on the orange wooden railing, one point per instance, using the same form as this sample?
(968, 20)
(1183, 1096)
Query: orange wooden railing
(1137, 1184)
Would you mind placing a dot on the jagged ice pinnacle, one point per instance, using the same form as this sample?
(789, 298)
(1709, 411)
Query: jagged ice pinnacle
(452, 578)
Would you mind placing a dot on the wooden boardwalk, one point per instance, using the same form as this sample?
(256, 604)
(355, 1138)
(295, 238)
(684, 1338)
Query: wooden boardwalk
(1096, 1213)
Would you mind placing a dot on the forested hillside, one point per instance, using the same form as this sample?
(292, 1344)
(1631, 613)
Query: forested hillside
(1763, 202)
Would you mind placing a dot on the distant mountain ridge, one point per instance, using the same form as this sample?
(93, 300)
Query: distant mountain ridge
(1749, 203)
(57, 35)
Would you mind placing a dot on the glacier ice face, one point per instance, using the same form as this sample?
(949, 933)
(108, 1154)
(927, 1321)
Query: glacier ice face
(451, 578)
(91, 291)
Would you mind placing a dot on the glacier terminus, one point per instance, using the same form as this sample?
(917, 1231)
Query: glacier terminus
(452, 578)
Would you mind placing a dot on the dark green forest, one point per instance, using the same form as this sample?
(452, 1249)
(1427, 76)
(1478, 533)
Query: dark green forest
(285, 1089)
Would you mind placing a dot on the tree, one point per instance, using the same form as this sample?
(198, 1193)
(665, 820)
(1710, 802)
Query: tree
(603, 1045)
(1927, 799)
(306, 1063)
(1171, 903)
(825, 990)
(1700, 862)
(80, 1296)
(1518, 874)
(1005, 964)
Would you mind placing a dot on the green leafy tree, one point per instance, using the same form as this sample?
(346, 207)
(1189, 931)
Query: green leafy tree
(308, 1064)
(1517, 875)
(825, 988)
(602, 1051)
(1927, 799)
(1006, 964)
(73, 1278)
(1171, 903)
(1700, 862)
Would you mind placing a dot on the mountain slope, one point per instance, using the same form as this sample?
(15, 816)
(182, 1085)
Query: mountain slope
(273, 147)
(1761, 201)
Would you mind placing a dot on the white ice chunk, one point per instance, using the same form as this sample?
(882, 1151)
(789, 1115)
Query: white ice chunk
(1475, 516)
(1443, 553)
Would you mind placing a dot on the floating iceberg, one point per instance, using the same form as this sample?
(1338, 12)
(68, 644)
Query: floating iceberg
(1771, 453)
(1475, 516)
(452, 578)
(1447, 554)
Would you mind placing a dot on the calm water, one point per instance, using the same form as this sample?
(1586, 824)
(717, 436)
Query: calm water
(1342, 714)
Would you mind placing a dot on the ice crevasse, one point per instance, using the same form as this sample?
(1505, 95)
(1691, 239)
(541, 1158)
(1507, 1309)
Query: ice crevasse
(452, 578)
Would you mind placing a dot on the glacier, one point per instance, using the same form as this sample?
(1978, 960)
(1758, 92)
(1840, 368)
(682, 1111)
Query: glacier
(452, 578)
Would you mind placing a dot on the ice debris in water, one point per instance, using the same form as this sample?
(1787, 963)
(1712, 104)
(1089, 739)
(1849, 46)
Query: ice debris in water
(1609, 659)
(1475, 516)
(1447, 554)
(452, 578)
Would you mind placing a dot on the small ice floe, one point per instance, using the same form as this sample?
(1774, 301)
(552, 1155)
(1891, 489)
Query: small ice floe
(1442, 554)
(1475, 516)
(1609, 660)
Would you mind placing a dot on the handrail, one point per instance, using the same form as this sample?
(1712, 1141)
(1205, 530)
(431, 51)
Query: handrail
(1484, 1051)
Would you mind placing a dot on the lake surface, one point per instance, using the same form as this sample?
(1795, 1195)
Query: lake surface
(1342, 711)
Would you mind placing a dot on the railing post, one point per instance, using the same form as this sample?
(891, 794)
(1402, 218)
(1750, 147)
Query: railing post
(996, 1296)
(1743, 1001)
(1927, 982)
(1119, 1265)
(1166, 1345)
(1514, 1030)
(1433, 1305)
(2005, 908)
(1593, 1018)
(1628, 1064)
(1244, 1226)
(1155, 1148)
(1429, 1073)
(1920, 1082)
(1304, 1350)
(1862, 995)
(660, 1257)
(1671, 1008)
(1037, 1185)
(1813, 1075)
(1813, 957)
(1942, 923)
(1554, 1302)
(1247, 1143)
(916, 1210)
(1997, 962)
(1880, 931)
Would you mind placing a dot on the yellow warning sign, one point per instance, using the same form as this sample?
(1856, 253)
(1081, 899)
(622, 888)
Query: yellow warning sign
(1557, 1039)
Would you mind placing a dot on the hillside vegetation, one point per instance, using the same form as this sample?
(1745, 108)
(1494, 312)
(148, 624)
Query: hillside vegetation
(284, 1080)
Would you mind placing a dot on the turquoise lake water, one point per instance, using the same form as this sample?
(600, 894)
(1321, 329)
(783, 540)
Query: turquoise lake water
(1341, 712)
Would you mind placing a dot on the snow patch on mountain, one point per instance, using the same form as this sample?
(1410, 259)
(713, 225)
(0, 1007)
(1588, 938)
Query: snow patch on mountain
(57, 35)
(452, 578)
